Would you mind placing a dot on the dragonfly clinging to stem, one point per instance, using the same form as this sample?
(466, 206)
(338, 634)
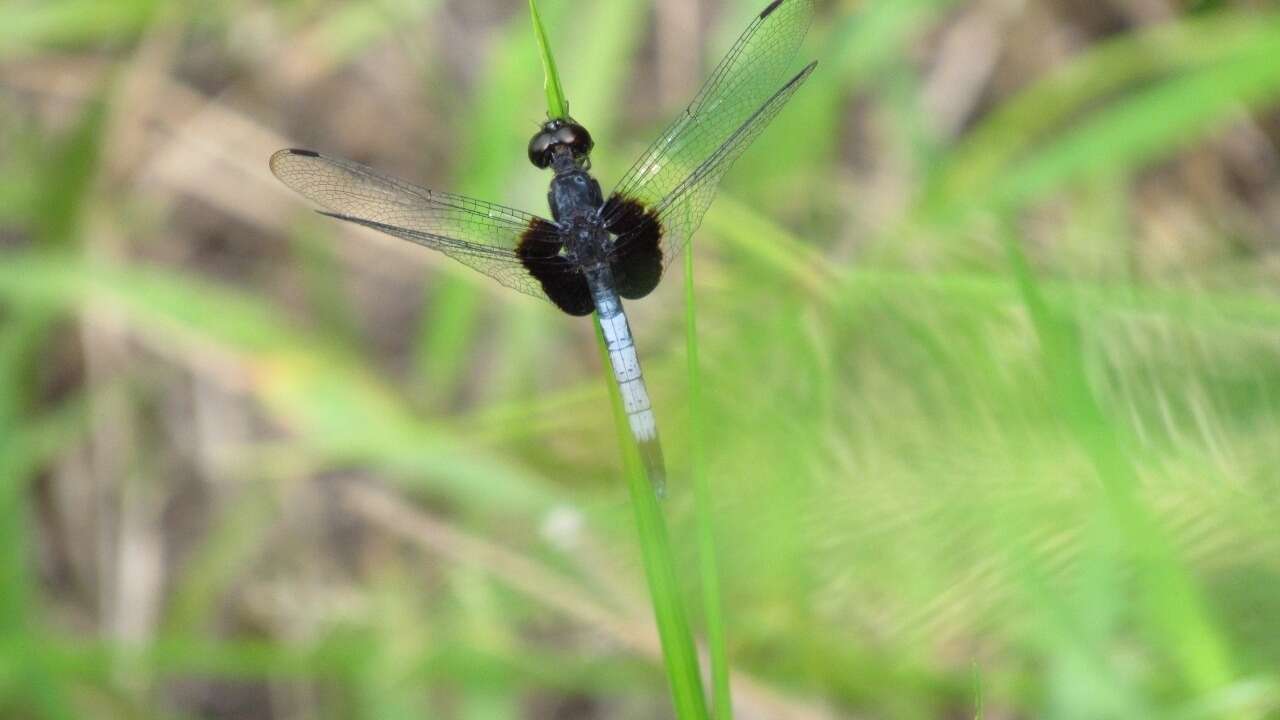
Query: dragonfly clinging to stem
(595, 250)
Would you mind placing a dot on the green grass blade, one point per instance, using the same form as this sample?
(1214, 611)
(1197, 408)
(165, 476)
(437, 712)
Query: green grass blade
(1148, 126)
(678, 651)
(1182, 78)
(712, 606)
(31, 436)
(340, 412)
(1173, 606)
(557, 106)
(26, 28)
(26, 444)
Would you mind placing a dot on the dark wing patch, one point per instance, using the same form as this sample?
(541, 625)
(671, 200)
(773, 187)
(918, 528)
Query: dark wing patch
(637, 260)
(562, 281)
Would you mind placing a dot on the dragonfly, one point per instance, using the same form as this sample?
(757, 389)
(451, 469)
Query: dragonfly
(594, 251)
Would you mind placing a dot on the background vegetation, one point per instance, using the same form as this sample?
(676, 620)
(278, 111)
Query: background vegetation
(988, 326)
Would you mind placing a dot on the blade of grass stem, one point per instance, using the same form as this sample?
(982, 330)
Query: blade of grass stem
(34, 683)
(1173, 604)
(678, 649)
(557, 106)
(708, 564)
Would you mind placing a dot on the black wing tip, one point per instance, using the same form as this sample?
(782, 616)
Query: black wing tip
(808, 69)
(769, 10)
(774, 6)
(280, 155)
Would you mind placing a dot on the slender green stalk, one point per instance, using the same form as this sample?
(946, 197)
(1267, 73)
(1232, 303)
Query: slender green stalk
(678, 650)
(712, 607)
(1174, 606)
(557, 106)
(679, 653)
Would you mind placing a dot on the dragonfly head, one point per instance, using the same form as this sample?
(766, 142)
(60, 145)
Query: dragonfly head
(560, 136)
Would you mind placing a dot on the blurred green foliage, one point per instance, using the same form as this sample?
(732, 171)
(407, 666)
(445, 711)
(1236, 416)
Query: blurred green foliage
(990, 404)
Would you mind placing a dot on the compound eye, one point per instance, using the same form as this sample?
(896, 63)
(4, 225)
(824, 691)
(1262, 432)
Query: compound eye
(566, 135)
(556, 133)
(540, 149)
(578, 139)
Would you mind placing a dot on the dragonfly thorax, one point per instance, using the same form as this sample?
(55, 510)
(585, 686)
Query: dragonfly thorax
(574, 194)
(586, 243)
(575, 199)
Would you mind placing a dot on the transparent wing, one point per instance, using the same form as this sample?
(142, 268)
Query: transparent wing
(676, 176)
(677, 216)
(482, 235)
